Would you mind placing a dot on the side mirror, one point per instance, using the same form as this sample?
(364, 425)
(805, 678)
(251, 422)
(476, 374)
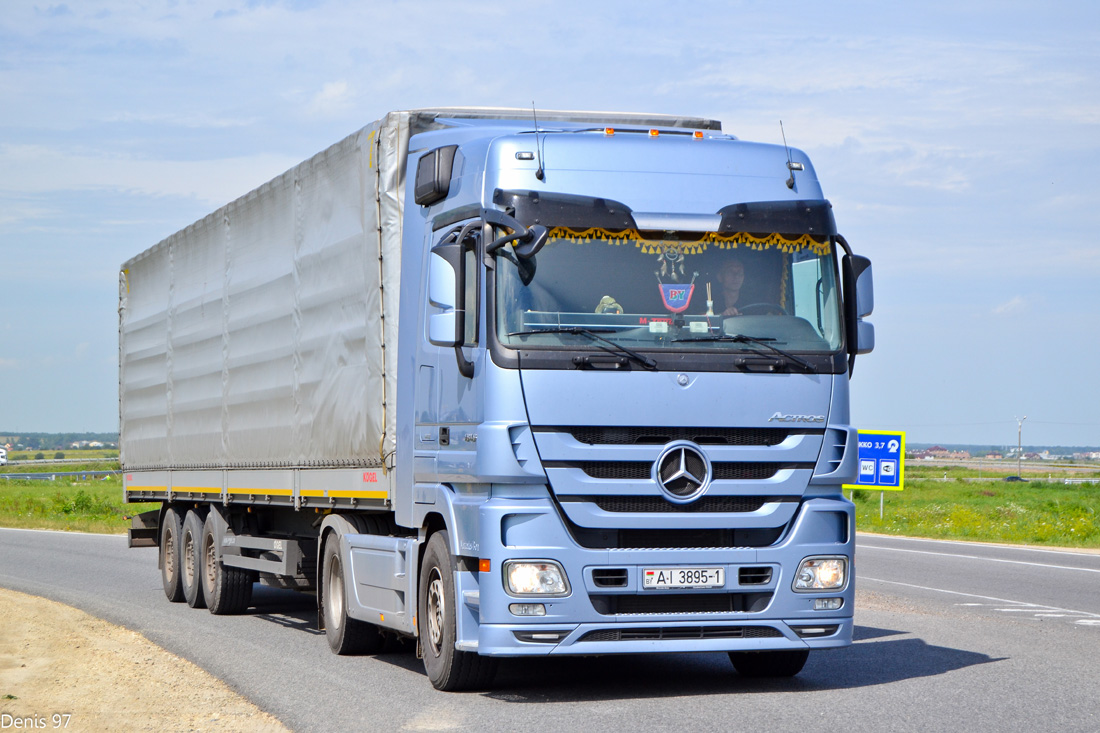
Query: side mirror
(865, 289)
(865, 337)
(859, 302)
(447, 290)
(527, 248)
(433, 175)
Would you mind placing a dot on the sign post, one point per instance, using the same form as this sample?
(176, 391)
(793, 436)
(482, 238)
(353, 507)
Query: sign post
(881, 463)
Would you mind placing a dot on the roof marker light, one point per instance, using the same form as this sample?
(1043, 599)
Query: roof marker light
(654, 133)
(698, 135)
(609, 131)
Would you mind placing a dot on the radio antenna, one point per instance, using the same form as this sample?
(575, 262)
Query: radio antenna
(790, 181)
(791, 165)
(541, 172)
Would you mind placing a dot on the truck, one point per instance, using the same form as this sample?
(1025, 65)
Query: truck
(509, 384)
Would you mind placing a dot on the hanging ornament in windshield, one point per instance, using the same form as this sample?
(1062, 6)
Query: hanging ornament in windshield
(677, 296)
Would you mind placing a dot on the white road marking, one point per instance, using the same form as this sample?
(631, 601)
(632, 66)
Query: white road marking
(1015, 610)
(976, 557)
(64, 531)
(1037, 606)
(1025, 548)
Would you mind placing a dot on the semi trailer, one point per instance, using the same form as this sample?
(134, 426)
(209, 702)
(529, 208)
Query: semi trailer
(507, 386)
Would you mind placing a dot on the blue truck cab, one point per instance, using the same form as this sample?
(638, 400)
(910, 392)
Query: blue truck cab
(629, 360)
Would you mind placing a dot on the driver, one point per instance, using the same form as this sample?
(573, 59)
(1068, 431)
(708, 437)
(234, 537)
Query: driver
(731, 276)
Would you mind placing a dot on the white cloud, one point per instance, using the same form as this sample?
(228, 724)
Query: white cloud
(1014, 305)
(193, 120)
(333, 99)
(40, 169)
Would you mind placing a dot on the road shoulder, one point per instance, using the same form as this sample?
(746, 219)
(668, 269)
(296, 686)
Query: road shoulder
(57, 660)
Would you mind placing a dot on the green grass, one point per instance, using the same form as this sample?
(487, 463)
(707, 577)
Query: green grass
(99, 465)
(1038, 512)
(67, 504)
(70, 453)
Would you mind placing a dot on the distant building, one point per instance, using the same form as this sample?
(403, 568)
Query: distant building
(942, 453)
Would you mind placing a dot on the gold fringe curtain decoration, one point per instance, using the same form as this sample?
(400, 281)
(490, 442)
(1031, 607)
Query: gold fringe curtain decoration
(786, 268)
(721, 241)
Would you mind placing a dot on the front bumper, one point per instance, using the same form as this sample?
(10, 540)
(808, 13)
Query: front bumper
(750, 613)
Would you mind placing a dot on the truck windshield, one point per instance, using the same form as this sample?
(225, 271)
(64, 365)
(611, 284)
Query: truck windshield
(671, 291)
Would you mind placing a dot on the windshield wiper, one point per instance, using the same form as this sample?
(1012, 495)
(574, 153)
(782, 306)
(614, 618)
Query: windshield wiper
(741, 338)
(594, 334)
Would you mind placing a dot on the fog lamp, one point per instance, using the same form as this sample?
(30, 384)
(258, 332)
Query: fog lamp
(527, 609)
(535, 577)
(828, 604)
(821, 573)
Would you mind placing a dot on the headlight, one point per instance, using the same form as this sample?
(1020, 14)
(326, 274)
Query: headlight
(821, 573)
(535, 577)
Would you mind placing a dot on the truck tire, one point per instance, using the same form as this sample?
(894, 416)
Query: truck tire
(227, 590)
(191, 555)
(769, 664)
(448, 668)
(346, 635)
(170, 558)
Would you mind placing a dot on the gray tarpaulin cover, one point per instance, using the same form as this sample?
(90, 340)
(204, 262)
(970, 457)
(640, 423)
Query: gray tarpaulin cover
(256, 337)
(265, 335)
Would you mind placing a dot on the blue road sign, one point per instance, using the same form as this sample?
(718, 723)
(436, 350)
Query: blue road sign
(881, 460)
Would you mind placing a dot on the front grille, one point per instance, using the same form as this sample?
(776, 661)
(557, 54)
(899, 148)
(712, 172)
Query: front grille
(654, 602)
(662, 435)
(683, 632)
(622, 470)
(643, 470)
(658, 504)
(662, 539)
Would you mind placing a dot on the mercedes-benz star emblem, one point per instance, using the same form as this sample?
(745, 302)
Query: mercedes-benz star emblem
(683, 472)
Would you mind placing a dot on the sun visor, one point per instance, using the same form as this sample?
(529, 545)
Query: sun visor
(565, 210)
(782, 217)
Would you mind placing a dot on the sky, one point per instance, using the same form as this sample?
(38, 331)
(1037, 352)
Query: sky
(958, 143)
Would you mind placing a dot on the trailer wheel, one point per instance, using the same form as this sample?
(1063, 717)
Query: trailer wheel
(770, 664)
(346, 635)
(191, 556)
(170, 557)
(448, 668)
(228, 590)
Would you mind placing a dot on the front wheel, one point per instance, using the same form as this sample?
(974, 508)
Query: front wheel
(448, 668)
(770, 664)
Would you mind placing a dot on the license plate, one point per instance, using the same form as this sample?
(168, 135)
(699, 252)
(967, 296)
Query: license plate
(683, 578)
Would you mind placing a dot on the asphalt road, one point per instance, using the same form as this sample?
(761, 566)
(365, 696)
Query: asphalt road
(949, 636)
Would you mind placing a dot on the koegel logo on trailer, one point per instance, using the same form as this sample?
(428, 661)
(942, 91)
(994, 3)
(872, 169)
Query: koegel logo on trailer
(881, 460)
